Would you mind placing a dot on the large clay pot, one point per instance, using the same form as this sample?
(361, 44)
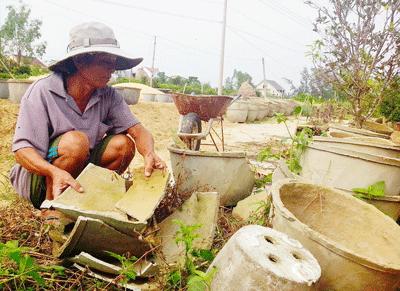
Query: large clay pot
(356, 245)
(347, 169)
(237, 111)
(149, 97)
(272, 108)
(227, 173)
(4, 92)
(131, 95)
(389, 205)
(17, 88)
(253, 112)
(163, 98)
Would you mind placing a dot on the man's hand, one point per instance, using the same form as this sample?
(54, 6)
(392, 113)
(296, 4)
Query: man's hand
(61, 180)
(151, 162)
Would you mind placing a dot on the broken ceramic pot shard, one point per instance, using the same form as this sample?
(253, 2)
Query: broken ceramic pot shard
(142, 268)
(95, 237)
(199, 208)
(135, 286)
(144, 195)
(102, 190)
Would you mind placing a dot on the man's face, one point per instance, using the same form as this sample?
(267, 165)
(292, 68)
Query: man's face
(96, 68)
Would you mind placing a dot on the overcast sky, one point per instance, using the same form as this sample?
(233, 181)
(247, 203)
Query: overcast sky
(188, 34)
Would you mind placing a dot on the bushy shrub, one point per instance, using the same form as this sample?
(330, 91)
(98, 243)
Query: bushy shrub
(390, 108)
(21, 70)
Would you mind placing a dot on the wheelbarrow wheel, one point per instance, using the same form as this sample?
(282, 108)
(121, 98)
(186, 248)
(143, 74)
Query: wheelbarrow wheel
(191, 123)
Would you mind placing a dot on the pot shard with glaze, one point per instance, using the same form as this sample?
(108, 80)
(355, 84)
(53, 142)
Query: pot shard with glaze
(227, 173)
(356, 245)
(264, 259)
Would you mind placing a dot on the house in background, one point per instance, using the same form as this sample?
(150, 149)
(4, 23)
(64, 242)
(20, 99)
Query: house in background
(270, 88)
(28, 60)
(146, 72)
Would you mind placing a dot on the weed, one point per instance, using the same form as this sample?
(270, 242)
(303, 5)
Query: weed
(261, 214)
(191, 277)
(261, 182)
(24, 266)
(126, 272)
(374, 190)
(299, 142)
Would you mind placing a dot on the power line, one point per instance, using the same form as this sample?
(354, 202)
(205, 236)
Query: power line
(284, 11)
(266, 40)
(260, 49)
(156, 11)
(298, 16)
(275, 31)
(148, 36)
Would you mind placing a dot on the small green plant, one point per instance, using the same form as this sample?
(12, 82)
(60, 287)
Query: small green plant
(25, 266)
(374, 190)
(196, 280)
(299, 143)
(126, 269)
(261, 182)
(260, 215)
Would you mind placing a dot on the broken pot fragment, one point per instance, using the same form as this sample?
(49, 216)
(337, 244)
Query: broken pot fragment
(95, 237)
(199, 208)
(144, 195)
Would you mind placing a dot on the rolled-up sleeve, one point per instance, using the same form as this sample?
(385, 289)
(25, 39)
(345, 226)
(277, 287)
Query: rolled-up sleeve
(120, 116)
(32, 128)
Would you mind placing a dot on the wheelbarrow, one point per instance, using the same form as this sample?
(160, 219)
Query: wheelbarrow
(197, 108)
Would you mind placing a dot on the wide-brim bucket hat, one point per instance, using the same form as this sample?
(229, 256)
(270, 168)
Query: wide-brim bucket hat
(94, 37)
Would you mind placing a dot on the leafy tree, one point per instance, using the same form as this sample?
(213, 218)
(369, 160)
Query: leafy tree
(19, 33)
(193, 81)
(177, 80)
(313, 84)
(359, 50)
(237, 79)
(161, 78)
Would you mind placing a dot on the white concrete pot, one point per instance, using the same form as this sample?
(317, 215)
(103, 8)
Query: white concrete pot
(261, 258)
(17, 88)
(262, 109)
(131, 95)
(149, 97)
(4, 92)
(163, 98)
(363, 132)
(253, 112)
(237, 111)
(272, 108)
(389, 205)
(227, 173)
(369, 145)
(347, 169)
(356, 245)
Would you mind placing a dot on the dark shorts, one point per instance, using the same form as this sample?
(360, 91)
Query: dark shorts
(38, 183)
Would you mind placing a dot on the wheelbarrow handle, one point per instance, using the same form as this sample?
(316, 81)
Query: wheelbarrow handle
(236, 98)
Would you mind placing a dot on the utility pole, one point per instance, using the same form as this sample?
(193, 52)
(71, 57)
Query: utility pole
(221, 64)
(152, 63)
(264, 85)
